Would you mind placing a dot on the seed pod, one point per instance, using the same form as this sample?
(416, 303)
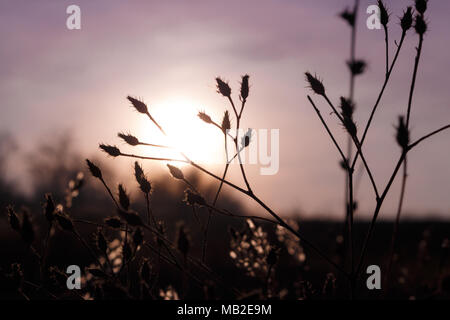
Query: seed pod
(95, 171)
(49, 208)
(402, 133)
(407, 19)
(113, 222)
(13, 219)
(102, 244)
(27, 230)
(138, 105)
(176, 172)
(244, 87)
(315, 84)
(203, 116)
(384, 15)
(128, 138)
(65, 222)
(124, 200)
(113, 151)
(226, 124)
(223, 88)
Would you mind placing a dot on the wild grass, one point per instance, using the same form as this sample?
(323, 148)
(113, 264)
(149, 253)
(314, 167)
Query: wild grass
(129, 249)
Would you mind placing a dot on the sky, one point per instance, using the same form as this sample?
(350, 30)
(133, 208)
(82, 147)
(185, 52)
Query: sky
(169, 52)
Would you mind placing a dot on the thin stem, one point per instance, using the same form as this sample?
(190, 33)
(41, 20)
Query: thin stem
(380, 95)
(344, 159)
(412, 145)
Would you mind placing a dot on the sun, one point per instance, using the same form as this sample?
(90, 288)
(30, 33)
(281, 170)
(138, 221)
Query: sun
(201, 142)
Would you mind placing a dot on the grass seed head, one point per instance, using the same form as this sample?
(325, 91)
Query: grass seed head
(146, 272)
(223, 88)
(128, 138)
(138, 237)
(191, 198)
(384, 14)
(124, 199)
(402, 133)
(138, 105)
(175, 172)
(203, 116)
(421, 25)
(244, 87)
(131, 218)
(226, 124)
(141, 179)
(95, 171)
(407, 19)
(421, 6)
(315, 84)
(113, 151)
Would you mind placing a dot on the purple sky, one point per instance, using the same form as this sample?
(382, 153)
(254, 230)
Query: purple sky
(53, 78)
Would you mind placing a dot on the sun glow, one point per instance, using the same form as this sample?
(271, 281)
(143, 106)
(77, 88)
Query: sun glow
(201, 142)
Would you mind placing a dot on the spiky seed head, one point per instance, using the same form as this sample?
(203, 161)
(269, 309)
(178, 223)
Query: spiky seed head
(131, 218)
(349, 17)
(347, 107)
(128, 138)
(113, 222)
(244, 87)
(223, 88)
(420, 25)
(384, 14)
(146, 272)
(315, 84)
(191, 198)
(101, 242)
(13, 219)
(64, 221)
(175, 172)
(226, 124)
(26, 229)
(138, 105)
(126, 251)
(357, 67)
(49, 208)
(138, 237)
(421, 6)
(124, 199)
(203, 116)
(113, 151)
(141, 179)
(407, 19)
(402, 133)
(95, 171)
